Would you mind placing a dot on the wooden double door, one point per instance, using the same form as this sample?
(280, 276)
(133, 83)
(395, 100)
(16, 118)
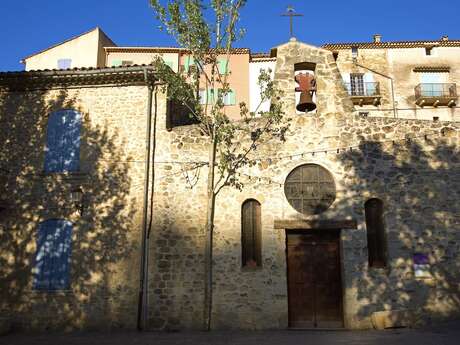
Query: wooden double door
(314, 279)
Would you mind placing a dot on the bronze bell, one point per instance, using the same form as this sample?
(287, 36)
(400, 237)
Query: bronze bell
(307, 87)
(306, 103)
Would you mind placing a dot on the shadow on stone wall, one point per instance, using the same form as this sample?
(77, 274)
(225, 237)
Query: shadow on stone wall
(419, 182)
(101, 295)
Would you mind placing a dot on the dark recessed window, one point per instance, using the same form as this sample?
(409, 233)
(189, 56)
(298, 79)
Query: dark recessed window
(354, 52)
(251, 234)
(428, 50)
(376, 239)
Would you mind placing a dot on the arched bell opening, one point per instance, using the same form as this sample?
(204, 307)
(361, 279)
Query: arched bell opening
(305, 91)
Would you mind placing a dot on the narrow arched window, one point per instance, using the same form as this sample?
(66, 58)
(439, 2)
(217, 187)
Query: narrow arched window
(376, 239)
(251, 234)
(52, 259)
(62, 151)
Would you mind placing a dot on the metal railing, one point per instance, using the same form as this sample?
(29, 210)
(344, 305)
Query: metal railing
(436, 90)
(367, 89)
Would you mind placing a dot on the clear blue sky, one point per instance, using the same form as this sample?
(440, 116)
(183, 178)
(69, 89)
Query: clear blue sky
(29, 26)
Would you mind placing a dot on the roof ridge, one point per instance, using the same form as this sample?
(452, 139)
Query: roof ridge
(65, 41)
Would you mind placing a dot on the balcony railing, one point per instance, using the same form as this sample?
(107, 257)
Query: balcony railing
(364, 93)
(363, 89)
(436, 94)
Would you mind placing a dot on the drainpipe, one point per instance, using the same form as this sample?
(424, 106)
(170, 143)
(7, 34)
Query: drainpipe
(142, 312)
(355, 62)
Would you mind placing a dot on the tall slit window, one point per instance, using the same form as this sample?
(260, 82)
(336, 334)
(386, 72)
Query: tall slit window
(62, 151)
(52, 259)
(376, 241)
(251, 234)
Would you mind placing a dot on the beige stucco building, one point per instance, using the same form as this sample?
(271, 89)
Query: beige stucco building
(352, 221)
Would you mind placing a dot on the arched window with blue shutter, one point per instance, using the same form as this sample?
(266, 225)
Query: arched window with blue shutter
(52, 259)
(62, 151)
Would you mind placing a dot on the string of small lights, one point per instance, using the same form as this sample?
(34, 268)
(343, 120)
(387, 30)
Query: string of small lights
(342, 149)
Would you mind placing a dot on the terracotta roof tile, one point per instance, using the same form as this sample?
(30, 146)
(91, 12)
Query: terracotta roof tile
(392, 45)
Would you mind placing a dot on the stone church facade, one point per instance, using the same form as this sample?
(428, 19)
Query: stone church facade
(354, 218)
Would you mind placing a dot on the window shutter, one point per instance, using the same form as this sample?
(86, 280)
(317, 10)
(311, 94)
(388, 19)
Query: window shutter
(61, 255)
(376, 241)
(52, 259)
(62, 152)
(222, 65)
(346, 77)
(231, 97)
(188, 62)
(251, 253)
(42, 257)
(71, 142)
(211, 96)
(53, 139)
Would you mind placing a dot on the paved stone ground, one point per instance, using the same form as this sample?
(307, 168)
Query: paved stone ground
(442, 335)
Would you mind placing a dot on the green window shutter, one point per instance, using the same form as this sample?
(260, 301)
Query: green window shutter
(222, 65)
(189, 60)
(211, 96)
(117, 63)
(169, 63)
(231, 97)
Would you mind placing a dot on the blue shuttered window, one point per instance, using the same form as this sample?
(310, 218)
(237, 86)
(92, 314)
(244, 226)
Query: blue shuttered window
(64, 63)
(62, 152)
(52, 258)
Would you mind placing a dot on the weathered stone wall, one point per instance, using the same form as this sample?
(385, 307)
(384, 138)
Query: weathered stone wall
(417, 180)
(104, 271)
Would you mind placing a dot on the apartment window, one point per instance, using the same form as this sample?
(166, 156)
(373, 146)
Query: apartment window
(52, 259)
(251, 234)
(62, 150)
(376, 239)
(432, 84)
(357, 84)
(428, 51)
(354, 52)
(64, 63)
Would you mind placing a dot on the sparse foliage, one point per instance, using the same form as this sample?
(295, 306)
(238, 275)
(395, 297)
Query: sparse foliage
(207, 30)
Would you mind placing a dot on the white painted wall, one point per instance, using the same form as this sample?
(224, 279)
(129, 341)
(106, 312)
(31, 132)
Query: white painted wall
(254, 89)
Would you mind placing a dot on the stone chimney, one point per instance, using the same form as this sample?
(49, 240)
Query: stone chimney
(377, 38)
(445, 38)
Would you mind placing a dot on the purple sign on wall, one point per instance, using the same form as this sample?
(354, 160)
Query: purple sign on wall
(420, 259)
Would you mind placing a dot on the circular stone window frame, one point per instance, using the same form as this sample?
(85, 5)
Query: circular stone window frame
(329, 201)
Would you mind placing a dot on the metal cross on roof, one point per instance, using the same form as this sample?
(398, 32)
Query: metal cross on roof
(290, 12)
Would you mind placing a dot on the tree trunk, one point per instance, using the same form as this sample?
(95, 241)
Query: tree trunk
(209, 238)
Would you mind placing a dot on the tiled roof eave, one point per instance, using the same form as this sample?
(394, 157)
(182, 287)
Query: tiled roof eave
(33, 80)
(392, 45)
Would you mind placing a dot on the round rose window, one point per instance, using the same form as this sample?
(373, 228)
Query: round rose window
(310, 189)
